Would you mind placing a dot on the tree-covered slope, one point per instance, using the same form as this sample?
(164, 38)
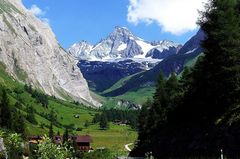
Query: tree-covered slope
(197, 116)
(39, 110)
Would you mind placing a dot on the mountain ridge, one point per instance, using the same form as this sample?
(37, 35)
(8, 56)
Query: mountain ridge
(121, 43)
(174, 63)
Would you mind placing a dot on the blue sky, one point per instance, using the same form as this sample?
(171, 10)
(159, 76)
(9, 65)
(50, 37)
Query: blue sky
(92, 20)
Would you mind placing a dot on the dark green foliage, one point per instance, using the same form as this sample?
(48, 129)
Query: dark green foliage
(86, 124)
(103, 123)
(96, 118)
(28, 88)
(30, 115)
(40, 97)
(18, 105)
(52, 116)
(65, 136)
(18, 123)
(185, 79)
(142, 118)
(216, 79)
(10, 117)
(197, 115)
(51, 133)
(128, 117)
(5, 110)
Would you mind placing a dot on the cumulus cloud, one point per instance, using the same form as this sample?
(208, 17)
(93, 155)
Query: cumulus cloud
(38, 12)
(174, 16)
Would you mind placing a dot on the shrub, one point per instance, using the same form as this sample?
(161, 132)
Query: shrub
(48, 150)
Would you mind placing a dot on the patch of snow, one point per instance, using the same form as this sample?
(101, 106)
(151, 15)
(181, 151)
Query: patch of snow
(145, 47)
(131, 38)
(149, 59)
(191, 51)
(122, 47)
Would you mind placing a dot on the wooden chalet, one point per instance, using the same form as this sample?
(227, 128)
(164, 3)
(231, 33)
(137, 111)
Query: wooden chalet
(82, 142)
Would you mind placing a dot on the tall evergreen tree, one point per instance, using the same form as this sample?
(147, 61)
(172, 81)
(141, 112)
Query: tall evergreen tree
(51, 133)
(18, 122)
(172, 88)
(65, 136)
(160, 95)
(142, 118)
(30, 115)
(185, 80)
(216, 77)
(103, 121)
(5, 116)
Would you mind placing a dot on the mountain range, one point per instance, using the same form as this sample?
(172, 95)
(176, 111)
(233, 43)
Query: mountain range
(186, 56)
(123, 54)
(119, 55)
(121, 44)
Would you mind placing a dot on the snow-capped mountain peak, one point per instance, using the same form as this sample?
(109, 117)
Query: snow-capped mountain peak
(81, 49)
(122, 43)
(120, 32)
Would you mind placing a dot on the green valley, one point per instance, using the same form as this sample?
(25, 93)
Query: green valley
(65, 113)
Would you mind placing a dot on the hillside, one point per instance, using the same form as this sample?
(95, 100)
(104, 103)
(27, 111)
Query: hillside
(198, 115)
(114, 138)
(119, 55)
(175, 63)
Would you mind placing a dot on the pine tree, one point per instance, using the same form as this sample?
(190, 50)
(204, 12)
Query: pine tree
(160, 94)
(86, 124)
(216, 77)
(103, 121)
(18, 122)
(142, 118)
(51, 133)
(65, 136)
(185, 80)
(30, 115)
(172, 87)
(5, 116)
(157, 110)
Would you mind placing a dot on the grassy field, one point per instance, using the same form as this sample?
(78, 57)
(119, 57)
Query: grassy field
(119, 84)
(114, 138)
(139, 96)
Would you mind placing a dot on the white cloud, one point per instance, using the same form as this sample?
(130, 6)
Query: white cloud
(38, 12)
(174, 16)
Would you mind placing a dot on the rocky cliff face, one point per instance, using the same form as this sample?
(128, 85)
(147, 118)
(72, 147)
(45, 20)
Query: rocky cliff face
(32, 55)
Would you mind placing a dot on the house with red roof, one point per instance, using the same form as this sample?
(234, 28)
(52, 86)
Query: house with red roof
(82, 142)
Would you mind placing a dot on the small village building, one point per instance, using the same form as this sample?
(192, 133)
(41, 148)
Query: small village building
(82, 142)
(35, 139)
(76, 116)
(121, 123)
